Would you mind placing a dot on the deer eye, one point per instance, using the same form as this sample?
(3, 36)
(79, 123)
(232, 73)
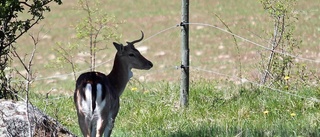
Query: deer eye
(131, 55)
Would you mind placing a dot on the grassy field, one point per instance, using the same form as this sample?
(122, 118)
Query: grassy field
(219, 106)
(152, 109)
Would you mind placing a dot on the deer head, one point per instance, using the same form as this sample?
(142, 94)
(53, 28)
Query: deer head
(131, 56)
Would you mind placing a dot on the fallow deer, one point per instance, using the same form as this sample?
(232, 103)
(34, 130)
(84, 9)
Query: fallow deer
(97, 95)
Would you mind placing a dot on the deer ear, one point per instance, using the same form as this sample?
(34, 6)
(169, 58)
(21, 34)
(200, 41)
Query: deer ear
(119, 47)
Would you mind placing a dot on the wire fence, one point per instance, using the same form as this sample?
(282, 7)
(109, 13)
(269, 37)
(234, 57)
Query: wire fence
(173, 67)
(258, 84)
(256, 44)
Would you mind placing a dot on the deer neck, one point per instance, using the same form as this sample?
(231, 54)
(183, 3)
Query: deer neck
(119, 76)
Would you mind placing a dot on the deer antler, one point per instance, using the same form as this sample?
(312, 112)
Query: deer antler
(135, 41)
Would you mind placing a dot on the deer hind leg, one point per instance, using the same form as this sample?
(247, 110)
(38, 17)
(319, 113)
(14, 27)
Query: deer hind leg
(100, 105)
(83, 125)
(85, 110)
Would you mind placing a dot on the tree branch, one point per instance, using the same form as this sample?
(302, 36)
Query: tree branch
(25, 3)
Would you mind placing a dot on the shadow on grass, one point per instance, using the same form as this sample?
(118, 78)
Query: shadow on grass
(237, 132)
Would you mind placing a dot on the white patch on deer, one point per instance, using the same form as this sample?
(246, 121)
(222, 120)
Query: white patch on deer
(99, 124)
(99, 93)
(99, 102)
(86, 104)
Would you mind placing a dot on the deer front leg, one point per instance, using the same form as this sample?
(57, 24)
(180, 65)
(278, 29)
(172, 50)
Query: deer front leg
(109, 127)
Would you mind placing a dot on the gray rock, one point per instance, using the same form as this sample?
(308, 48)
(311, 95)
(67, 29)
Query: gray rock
(14, 121)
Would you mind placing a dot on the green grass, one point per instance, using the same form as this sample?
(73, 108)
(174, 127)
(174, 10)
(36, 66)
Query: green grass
(153, 110)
